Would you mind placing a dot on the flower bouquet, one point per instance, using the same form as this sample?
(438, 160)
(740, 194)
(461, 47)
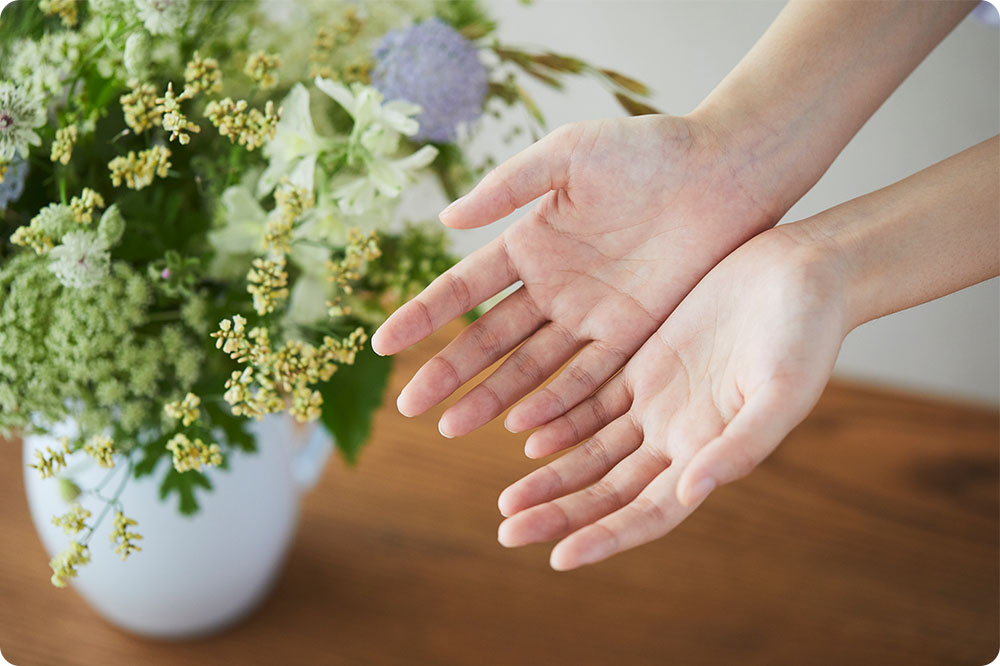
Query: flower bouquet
(199, 221)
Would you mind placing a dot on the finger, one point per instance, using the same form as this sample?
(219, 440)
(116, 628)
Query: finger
(584, 375)
(541, 167)
(482, 274)
(756, 430)
(476, 348)
(530, 365)
(611, 401)
(653, 513)
(579, 468)
(565, 515)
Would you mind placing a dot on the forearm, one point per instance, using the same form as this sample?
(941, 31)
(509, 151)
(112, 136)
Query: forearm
(931, 234)
(812, 81)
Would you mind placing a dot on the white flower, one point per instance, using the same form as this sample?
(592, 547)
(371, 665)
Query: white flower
(357, 195)
(82, 260)
(42, 66)
(376, 135)
(377, 126)
(295, 146)
(162, 17)
(19, 115)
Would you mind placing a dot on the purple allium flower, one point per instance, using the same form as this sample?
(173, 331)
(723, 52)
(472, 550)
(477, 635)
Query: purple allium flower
(13, 183)
(433, 65)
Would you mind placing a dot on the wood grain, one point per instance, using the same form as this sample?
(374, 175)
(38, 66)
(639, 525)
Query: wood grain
(869, 537)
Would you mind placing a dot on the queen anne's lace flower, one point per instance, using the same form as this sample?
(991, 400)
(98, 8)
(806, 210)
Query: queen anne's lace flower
(433, 65)
(162, 17)
(82, 260)
(19, 116)
(12, 186)
(40, 67)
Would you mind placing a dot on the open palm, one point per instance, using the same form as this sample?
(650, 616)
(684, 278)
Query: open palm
(633, 212)
(737, 365)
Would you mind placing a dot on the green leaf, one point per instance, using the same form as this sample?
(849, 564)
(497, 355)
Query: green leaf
(183, 483)
(350, 399)
(626, 82)
(559, 63)
(530, 105)
(234, 427)
(151, 454)
(634, 106)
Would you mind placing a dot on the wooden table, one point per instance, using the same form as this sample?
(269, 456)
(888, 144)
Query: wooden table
(869, 537)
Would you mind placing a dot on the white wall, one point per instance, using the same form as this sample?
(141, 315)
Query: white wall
(682, 49)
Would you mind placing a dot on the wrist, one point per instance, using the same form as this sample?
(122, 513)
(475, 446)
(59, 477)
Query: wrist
(815, 255)
(839, 238)
(758, 152)
(734, 150)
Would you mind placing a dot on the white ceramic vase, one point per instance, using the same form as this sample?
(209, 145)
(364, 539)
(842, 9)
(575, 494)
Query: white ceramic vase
(195, 575)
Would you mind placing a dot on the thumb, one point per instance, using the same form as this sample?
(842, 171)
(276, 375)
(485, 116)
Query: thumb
(756, 430)
(539, 168)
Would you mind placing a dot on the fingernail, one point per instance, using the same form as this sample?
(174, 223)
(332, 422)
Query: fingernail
(443, 433)
(372, 342)
(506, 425)
(398, 407)
(700, 491)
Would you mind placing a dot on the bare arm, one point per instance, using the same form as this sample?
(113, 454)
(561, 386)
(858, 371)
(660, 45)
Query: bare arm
(813, 79)
(743, 359)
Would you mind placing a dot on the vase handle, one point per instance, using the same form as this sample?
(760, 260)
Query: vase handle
(308, 464)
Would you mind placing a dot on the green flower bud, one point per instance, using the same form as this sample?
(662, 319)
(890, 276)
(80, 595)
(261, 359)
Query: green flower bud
(112, 225)
(137, 51)
(68, 490)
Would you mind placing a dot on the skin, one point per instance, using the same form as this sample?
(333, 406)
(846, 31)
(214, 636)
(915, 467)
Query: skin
(589, 260)
(745, 356)
(631, 215)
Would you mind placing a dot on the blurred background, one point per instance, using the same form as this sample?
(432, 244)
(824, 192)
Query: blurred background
(950, 347)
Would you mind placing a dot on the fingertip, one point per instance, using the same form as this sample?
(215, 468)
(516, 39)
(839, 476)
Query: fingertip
(535, 446)
(531, 450)
(504, 504)
(559, 560)
(695, 491)
(441, 429)
(400, 408)
(504, 535)
(382, 341)
(377, 342)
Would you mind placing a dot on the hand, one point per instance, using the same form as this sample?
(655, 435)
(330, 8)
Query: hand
(739, 363)
(633, 212)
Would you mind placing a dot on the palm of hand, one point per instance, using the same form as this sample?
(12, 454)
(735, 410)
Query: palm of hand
(633, 213)
(738, 364)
